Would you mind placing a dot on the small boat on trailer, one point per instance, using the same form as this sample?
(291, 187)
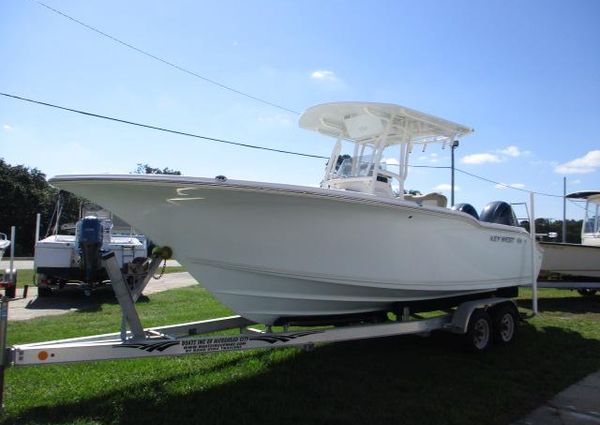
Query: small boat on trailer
(576, 266)
(357, 246)
(74, 258)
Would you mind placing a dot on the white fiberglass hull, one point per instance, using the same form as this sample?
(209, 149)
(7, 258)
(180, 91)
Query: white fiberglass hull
(270, 251)
(4, 245)
(570, 260)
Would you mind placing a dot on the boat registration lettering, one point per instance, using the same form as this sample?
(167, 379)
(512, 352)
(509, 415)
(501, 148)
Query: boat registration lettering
(210, 345)
(506, 239)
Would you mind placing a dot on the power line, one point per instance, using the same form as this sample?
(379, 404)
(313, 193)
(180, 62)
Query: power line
(223, 86)
(245, 145)
(180, 133)
(506, 185)
(576, 204)
(163, 129)
(164, 61)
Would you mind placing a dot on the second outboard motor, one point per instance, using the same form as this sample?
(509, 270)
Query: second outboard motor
(500, 213)
(89, 241)
(466, 208)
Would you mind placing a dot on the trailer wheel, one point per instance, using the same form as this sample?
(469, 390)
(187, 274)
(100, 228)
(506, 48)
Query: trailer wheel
(479, 332)
(44, 292)
(505, 319)
(587, 292)
(11, 291)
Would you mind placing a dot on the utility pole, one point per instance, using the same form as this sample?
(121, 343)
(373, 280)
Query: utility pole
(454, 146)
(564, 226)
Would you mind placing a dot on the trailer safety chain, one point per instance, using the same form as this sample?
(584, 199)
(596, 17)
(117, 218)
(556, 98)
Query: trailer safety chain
(162, 271)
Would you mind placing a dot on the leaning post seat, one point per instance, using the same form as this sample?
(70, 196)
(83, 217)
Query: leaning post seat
(433, 198)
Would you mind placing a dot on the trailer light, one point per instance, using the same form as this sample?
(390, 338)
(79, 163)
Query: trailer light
(43, 355)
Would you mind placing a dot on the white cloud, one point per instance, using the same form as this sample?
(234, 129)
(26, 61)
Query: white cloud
(586, 164)
(7, 128)
(513, 151)
(480, 158)
(277, 119)
(445, 187)
(576, 181)
(324, 75)
(503, 186)
(391, 161)
(544, 163)
(432, 158)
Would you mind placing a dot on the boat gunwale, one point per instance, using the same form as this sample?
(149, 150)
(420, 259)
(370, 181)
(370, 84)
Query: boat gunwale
(286, 189)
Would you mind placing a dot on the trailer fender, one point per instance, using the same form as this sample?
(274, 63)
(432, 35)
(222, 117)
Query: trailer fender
(463, 313)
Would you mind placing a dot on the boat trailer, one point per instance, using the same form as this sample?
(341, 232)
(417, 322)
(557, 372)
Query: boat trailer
(481, 321)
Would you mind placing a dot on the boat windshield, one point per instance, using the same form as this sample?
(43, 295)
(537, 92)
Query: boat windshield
(592, 218)
(356, 167)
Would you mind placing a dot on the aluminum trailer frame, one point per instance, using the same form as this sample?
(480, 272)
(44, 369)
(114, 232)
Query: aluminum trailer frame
(566, 284)
(190, 338)
(584, 287)
(135, 341)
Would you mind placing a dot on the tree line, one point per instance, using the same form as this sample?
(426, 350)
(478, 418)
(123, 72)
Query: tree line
(24, 192)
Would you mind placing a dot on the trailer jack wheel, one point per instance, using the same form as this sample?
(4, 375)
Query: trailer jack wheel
(479, 332)
(505, 319)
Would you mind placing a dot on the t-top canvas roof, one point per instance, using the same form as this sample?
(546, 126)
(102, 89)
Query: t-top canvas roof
(585, 194)
(365, 121)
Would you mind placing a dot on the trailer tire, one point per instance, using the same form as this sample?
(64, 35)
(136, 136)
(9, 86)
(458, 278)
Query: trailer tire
(479, 332)
(44, 292)
(11, 291)
(505, 318)
(587, 292)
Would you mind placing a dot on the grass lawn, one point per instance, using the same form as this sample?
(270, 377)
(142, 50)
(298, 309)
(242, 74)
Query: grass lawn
(398, 380)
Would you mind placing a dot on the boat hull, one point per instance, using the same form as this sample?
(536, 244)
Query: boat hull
(270, 251)
(563, 260)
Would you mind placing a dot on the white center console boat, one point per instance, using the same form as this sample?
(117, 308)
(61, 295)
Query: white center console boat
(577, 261)
(357, 245)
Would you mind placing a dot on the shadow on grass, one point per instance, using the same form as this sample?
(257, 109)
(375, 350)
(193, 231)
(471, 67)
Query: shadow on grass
(408, 380)
(576, 305)
(74, 298)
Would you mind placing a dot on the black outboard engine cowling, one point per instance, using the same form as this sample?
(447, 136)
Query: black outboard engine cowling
(466, 208)
(499, 212)
(90, 244)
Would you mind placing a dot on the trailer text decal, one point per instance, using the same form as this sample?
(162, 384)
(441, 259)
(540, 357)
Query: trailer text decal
(207, 345)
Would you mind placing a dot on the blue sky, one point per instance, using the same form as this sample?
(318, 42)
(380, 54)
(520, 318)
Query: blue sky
(524, 74)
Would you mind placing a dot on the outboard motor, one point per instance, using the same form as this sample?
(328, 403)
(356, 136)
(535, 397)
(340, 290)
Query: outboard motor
(466, 208)
(89, 242)
(500, 213)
